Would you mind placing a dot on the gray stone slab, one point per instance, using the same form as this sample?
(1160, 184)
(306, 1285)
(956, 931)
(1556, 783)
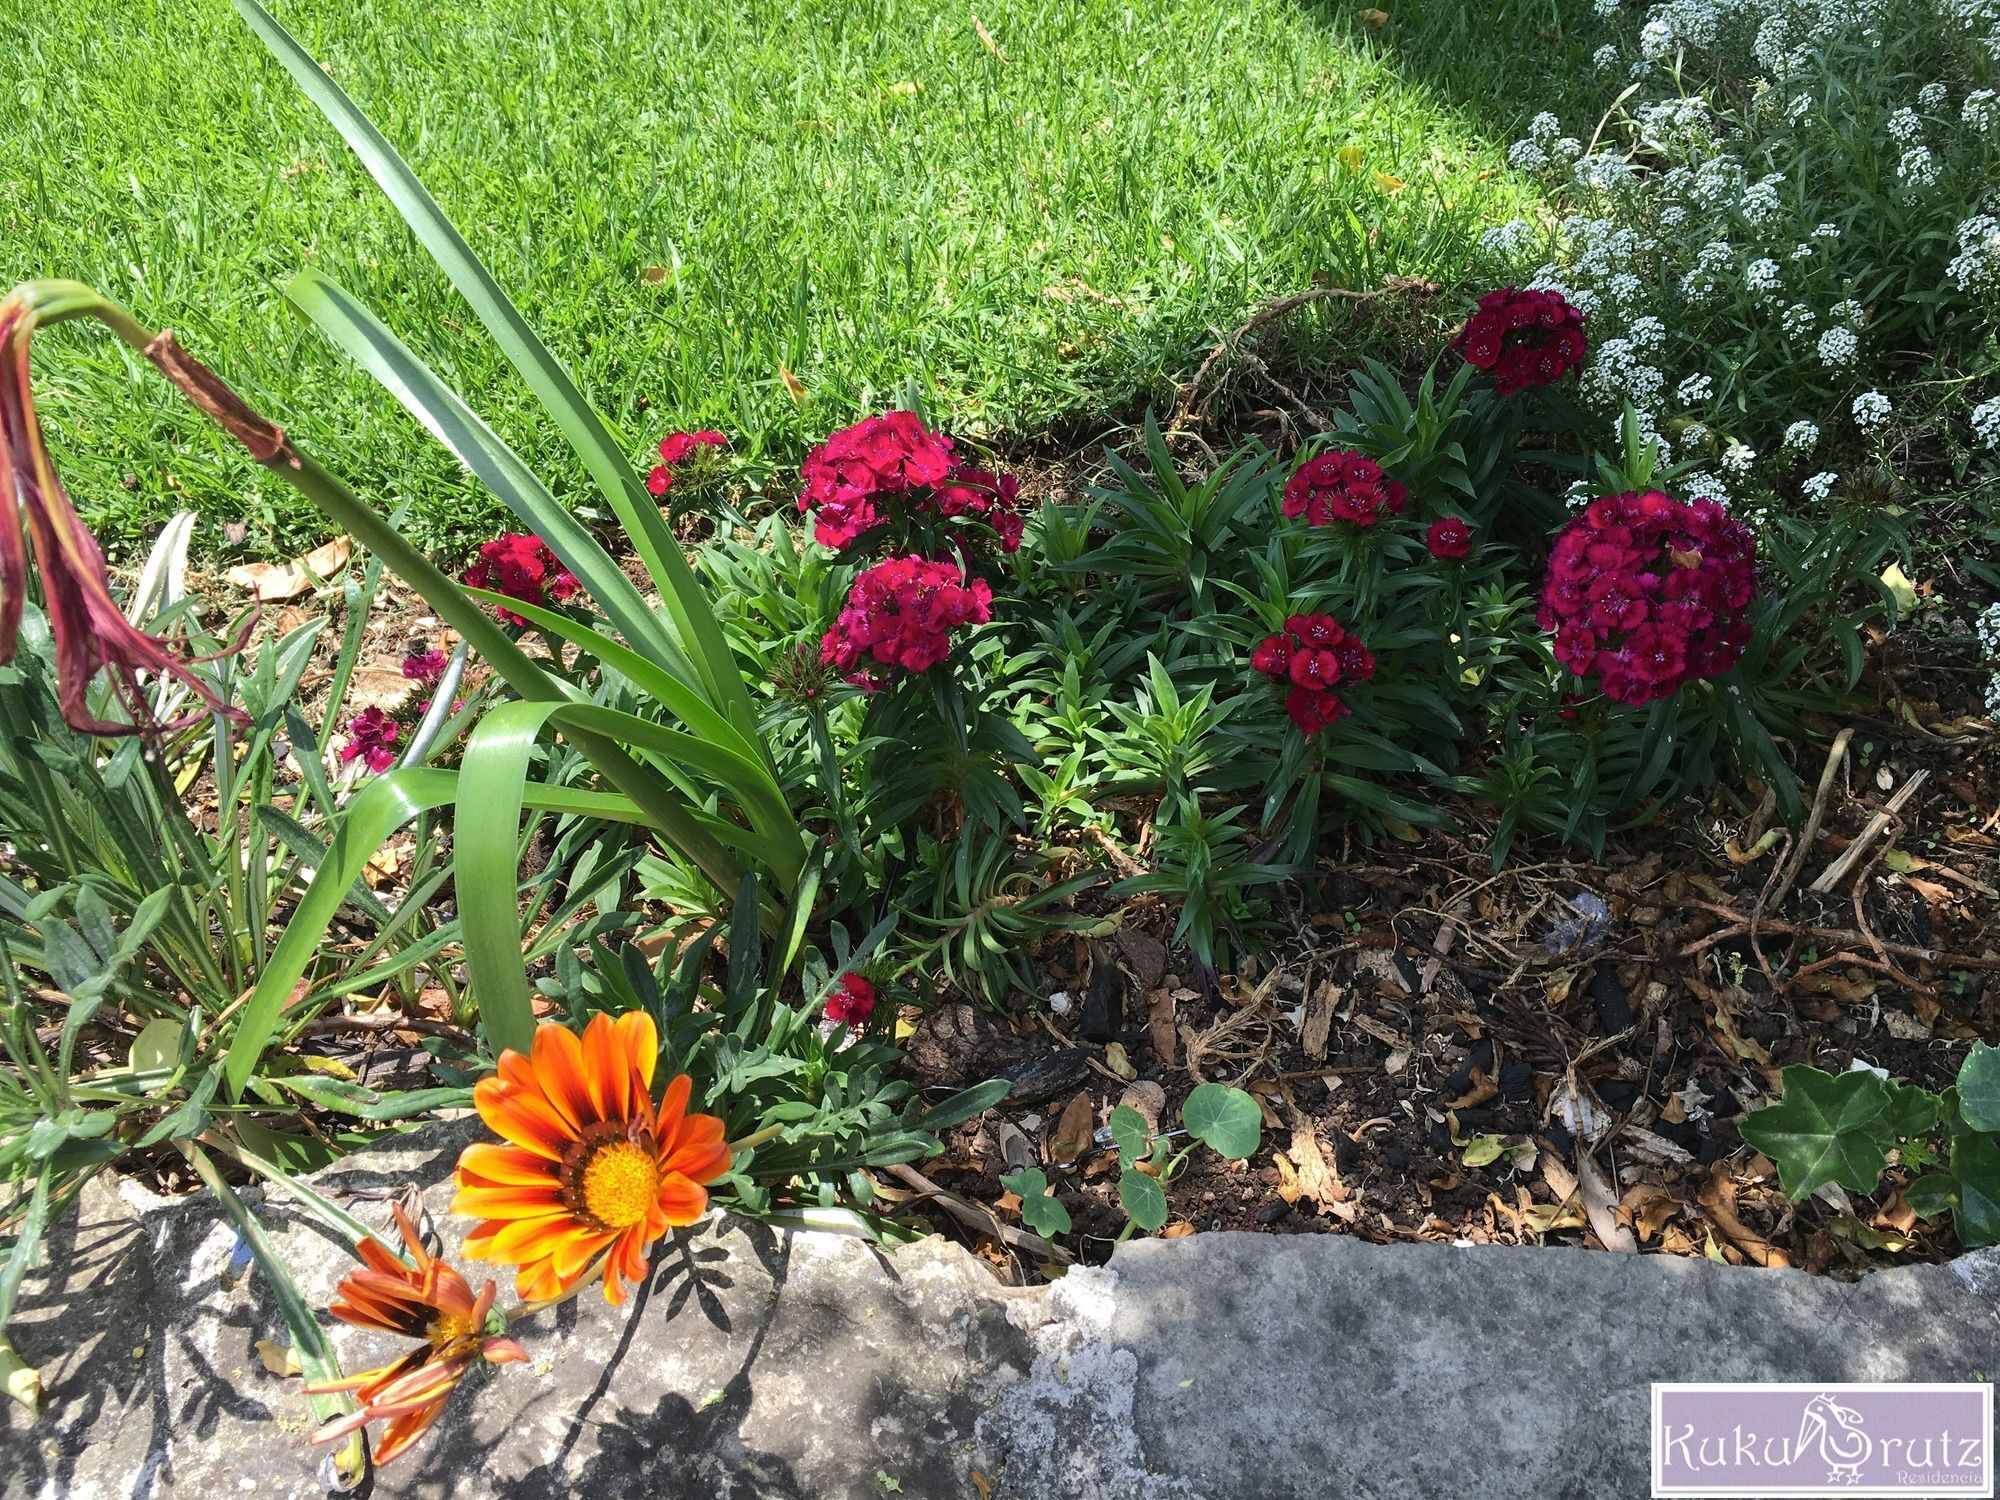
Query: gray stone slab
(759, 1363)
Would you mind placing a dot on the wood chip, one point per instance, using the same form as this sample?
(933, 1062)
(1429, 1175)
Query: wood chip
(1073, 1132)
(1317, 1023)
(268, 582)
(1602, 1209)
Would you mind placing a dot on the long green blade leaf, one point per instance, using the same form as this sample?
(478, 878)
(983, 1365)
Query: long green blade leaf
(700, 632)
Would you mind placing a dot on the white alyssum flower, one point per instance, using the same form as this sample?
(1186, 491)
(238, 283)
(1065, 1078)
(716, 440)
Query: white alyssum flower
(1799, 106)
(1760, 203)
(1797, 321)
(1804, 250)
(1512, 239)
(1871, 409)
(1694, 435)
(1918, 167)
(1647, 335)
(1905, 129)
(1699, 486)
(1526, 156)
(1694, 390)
(1673, 216)
(1656, 39)
(1986, 425)
(1771, 48)
(1826, 231)
(1820, 485)
(1604, 58)
(1737, 458)
(1850, 312)
(1932, 98)
(1606, 8)
(1838, 346)
(1761, 277)
(1565, 149)
(1616, 374)
(1601, 172)
(1981, 109)
(1801, 436)
(1973, 268)
(1544, 128)
(1987, 627)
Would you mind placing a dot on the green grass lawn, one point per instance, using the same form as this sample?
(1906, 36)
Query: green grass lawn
(686, 195)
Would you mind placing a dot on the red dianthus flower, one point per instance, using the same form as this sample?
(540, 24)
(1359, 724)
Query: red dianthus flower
(1449, 537)
(900, 614)
(1646, 593)
(1310, 657)
(371, 738)
(890, 469)
(521, 567)
(1342, 485)
(852, 1001)
(1523, 338)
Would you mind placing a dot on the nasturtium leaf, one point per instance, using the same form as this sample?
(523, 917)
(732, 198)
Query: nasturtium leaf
(1825, 1129)
(1143, 1199)
(1224, 1119)
(1129, 1130)
(1040, 1209)
(1979, 1087)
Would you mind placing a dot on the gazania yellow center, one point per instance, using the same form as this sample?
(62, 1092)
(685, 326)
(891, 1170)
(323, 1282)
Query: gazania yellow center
(620, 1184)
(447, 1328)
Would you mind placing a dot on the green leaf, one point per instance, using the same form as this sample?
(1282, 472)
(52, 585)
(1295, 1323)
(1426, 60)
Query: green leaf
(1040, 1210)
(700, 632)
(1824, 1129)
(1913, 1112)
(1143, 1199)
(1225, 1119)
(1483, 1150)
(1975, 1168)
(1130, 1131)
(1930, 1195)
(962, 1106)
(1979, 1087)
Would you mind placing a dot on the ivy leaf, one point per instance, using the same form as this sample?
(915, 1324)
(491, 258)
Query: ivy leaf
(1825, 1129)
(1913, 1112)
(1930, 1195)
(1979, 1087)
(1975, 1168)
(1040, 1209)
(1143, 1199)
(1224, 1119)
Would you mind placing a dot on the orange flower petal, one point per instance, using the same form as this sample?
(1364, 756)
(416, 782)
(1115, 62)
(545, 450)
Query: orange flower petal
(516, 1241)
(405, 1430)
(478, 1201)
(607, 1072)
(642, 1045)
(571, 1255)
(699, 1163)
(495, 1165)
(527, 1119)
(559, 1074)
(681, 1200)
(673, 1105)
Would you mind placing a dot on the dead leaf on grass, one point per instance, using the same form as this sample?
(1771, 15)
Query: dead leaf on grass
(270, 582)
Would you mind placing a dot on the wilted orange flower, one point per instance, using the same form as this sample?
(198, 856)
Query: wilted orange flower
(431, 1302)
(593, 1167)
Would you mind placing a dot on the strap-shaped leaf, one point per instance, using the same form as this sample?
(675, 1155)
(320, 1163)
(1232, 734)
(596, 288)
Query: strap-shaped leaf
(363, 338)
(700, 632)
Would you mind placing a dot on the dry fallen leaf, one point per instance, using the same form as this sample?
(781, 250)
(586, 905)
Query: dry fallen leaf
(279, 1359)
(1074, 1130)
(1351, 157)
(1116, 1060)
(1374, 18)
(1389, 182)
(1718, 1201)
(654, 275)
(793, 385)
(268, 582)
(1160, 1028)
(986, 37)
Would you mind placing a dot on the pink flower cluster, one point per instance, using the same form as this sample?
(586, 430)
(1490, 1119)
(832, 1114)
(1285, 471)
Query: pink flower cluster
(1312, 657)
(1342, 486)
(371, 739)
(1523, 338)
(900, 614)
(852, 1001)
(521, 567)
(675, 449)
(1646, 592)
(891, 469)
(1449, 538)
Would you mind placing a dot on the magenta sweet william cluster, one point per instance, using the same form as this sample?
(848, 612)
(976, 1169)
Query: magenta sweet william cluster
(1646, 593)
(371, 739)
(521, 567)
(899, 615)
(1313, 656)
(677, 448)
(1342, 486)
(1523, 338)
(852, 1001)
(891, 470)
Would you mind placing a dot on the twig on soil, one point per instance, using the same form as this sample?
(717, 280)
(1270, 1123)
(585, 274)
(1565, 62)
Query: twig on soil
(1834, 872)
(1740, 926)
(971, 1214)
(421, 1025)
(1803, 847)
(1266, 314)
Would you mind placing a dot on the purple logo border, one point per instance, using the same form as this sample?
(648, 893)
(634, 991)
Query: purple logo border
(1735, 1489)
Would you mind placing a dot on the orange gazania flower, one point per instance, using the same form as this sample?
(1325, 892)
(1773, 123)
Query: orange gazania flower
(431, 1302)
(592, 1166)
